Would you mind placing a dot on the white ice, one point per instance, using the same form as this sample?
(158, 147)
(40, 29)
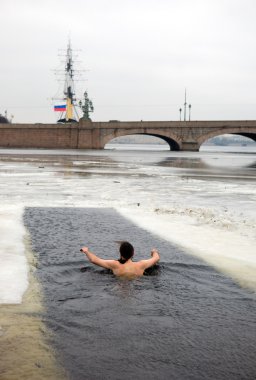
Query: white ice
(227, 251)
(13, 268)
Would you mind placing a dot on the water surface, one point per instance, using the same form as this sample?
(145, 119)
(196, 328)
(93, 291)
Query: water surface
(185, 321)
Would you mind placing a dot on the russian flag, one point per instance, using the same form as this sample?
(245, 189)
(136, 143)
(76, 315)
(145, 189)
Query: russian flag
(60, 108)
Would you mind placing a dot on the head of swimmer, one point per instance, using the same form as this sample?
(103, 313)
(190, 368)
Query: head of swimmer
(126, 251)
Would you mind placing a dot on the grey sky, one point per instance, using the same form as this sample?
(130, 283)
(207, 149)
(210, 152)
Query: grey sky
(140, 56)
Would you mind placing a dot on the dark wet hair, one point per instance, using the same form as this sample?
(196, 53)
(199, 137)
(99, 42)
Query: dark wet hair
(126, 251)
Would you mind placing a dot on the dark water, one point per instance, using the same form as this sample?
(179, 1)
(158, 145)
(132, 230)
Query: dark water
(185, 321)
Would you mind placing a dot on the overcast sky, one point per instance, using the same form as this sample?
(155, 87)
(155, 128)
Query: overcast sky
(140, 56)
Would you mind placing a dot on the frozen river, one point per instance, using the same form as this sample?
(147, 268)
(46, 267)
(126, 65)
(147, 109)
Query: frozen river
(197, 208)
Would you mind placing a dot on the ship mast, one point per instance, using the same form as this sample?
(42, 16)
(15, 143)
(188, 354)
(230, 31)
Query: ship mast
(68, 110)
(69, 90)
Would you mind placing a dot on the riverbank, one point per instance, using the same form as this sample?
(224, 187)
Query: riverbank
(25, 351)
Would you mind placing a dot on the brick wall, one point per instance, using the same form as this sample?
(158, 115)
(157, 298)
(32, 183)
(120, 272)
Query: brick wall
(38, 135)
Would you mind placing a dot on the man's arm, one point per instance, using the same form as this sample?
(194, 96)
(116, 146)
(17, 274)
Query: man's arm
(150, 262)
(108, 264)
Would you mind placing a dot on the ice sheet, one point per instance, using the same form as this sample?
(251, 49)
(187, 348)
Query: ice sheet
(13, 268)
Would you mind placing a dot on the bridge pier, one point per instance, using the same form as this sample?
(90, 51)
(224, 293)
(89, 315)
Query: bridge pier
(190, 146)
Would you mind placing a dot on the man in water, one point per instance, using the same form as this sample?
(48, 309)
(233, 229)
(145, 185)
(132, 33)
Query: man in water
(124, 267)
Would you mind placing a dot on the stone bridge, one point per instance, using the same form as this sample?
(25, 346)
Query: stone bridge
(180, 135)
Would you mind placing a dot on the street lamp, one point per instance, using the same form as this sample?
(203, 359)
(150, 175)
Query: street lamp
(185, 105)
(86, 107)
(185, 108)
(189, 107)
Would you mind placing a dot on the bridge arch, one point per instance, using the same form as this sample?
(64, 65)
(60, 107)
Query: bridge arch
(172, 141)
(229, 131)
(173, 144)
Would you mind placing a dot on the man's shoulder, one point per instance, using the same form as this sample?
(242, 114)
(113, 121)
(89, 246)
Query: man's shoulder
(140, 263)
(114, 263)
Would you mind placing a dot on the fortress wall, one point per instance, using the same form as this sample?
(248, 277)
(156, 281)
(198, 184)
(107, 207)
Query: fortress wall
(38, 136)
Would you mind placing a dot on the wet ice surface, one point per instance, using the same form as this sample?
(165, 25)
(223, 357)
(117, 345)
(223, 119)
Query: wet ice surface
(186, 321)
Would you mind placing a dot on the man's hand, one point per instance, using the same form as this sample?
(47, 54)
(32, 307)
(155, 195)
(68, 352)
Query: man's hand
(84, 250)
(154, 250)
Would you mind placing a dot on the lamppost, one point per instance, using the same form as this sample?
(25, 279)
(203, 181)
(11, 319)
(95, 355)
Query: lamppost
(86, 107)
(185, 108)
(185, 105)
(189, 107)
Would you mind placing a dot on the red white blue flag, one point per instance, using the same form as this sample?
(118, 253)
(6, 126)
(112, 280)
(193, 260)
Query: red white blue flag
(60, 108)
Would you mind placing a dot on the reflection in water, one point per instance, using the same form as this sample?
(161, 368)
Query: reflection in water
(78, 158)
(230, 161)
(204, 165)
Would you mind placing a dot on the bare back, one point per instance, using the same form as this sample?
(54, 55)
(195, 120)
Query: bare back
(129, 269)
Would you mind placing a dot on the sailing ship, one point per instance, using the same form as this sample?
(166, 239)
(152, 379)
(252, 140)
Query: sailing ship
(69, 112)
